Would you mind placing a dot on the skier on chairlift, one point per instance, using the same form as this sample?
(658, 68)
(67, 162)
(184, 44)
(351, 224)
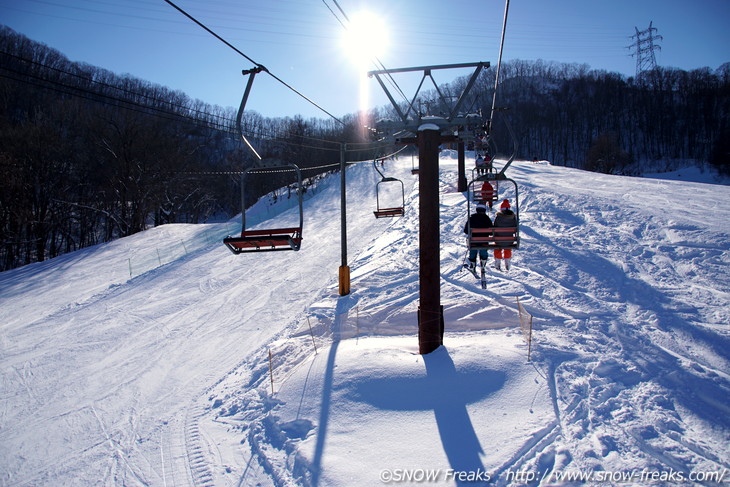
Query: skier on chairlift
(487, 194)
(505, 217)
(483, 162)
(480, 219)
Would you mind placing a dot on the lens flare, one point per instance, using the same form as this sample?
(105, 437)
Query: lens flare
(365, 39)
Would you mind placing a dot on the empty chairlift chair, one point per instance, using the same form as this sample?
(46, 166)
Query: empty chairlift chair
(388, 209)
(269, 239)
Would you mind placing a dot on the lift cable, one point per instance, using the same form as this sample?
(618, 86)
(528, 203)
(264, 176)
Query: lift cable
(323, 166)
(258, 65)
(499, 64)
(160, 112)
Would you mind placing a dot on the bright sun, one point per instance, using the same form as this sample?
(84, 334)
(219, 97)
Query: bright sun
(366, 38)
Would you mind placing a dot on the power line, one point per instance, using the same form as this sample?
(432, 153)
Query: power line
(154, 106)
(127, 104)
(172, 116)
(168, 108)
(303, 169)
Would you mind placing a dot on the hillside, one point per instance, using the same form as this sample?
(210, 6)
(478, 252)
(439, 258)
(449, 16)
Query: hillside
(163, 379)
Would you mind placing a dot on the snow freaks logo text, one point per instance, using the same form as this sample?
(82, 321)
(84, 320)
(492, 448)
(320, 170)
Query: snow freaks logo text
(422, 475)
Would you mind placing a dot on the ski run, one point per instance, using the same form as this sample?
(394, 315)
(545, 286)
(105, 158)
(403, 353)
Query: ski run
(212, 369)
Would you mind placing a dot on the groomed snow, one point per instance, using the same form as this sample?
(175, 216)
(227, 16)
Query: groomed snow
(166, 378)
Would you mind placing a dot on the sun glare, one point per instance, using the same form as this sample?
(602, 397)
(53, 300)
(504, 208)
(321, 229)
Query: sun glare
(365, 39)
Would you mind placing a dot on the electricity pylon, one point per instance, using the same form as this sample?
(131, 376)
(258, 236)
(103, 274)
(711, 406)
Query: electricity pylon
(644, 48)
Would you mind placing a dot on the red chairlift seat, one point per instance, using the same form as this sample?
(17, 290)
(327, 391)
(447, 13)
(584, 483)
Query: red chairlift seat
(494, 237)
(415, 169)
(271, 239)
(388, 212)
(265, 240)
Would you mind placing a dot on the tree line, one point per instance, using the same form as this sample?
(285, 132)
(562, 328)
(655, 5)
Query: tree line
(606, 122)
(90, 156)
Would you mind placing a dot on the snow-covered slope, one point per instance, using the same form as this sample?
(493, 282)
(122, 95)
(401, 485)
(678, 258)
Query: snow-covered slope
(166, 378)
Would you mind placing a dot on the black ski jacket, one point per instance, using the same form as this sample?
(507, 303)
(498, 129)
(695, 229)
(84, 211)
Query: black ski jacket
(478, 220)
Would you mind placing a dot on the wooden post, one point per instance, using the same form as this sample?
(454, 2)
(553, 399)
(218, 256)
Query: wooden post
(312, 334)
(271, 373)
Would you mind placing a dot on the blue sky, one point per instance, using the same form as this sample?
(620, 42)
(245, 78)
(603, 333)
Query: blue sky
(300, 41)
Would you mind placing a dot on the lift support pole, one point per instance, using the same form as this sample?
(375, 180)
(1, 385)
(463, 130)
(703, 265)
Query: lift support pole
(430, 312)
(428, 130)
(461, 182)
(344, 270)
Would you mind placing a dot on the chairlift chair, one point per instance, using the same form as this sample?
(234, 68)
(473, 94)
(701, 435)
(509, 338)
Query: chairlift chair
(263, 240)
(482, 195)
(272, 239)
(388, 211)
(414, 169)
(494, 237)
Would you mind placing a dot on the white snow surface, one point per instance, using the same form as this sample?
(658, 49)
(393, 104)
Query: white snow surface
(224, 370)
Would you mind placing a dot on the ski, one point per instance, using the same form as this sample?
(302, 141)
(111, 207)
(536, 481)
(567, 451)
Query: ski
(482, 278)
(472, 270)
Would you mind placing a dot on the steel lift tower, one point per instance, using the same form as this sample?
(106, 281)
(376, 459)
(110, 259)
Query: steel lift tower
(428, 132)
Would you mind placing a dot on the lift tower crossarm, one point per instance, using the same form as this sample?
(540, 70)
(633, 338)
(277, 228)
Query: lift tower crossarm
(402, 116)
(425, 68)
(412, 123)
(467, 89)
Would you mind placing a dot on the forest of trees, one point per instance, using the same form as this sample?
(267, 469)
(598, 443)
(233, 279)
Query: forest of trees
(605, 122)
(89, 156)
